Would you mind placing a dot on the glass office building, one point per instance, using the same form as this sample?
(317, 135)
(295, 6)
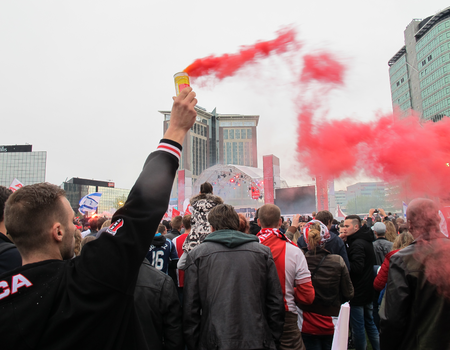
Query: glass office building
(218, 139)
(112, 198)
(420, 71)
(21, 163)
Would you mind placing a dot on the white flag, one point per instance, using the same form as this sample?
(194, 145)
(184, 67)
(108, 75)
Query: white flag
(15, 185)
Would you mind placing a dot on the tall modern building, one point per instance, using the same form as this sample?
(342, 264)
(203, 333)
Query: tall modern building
(420, 71)
(218, 139)
(21, 163)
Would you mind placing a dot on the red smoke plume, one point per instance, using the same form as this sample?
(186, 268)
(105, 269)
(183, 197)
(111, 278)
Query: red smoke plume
(228, 64)
(323, 68)
(390, 148)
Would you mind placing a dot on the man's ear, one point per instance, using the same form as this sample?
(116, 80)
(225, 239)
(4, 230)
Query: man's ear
(280, 222)
(56, 232)
(259, 222)
(212, 229)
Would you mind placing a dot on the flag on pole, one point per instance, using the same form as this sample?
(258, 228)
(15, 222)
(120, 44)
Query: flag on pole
(15, 185)
(89, 202)
(405, 206)
(175, 212)
(339, 213)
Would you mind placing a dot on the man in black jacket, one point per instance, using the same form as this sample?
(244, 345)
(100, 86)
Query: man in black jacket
(416, 312)
(177, 224)
(362, 258)
(232, 294)
(86, 302)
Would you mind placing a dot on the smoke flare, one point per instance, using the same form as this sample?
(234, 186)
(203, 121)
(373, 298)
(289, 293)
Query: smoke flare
(228, 64)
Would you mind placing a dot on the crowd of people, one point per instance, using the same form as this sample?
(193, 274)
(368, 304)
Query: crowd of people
(213, 279)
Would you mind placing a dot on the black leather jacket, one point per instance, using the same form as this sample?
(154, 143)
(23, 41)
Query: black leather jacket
(414, 314)
(232, 294)
(158, 309)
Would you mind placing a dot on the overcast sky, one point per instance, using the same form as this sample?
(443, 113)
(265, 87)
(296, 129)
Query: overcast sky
(84, 80)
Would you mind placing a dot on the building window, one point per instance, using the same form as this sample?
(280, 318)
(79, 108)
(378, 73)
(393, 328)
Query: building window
(237, 133)
(225, 134)
(231, 134)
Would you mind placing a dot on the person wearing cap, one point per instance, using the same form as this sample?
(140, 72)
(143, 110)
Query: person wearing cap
(381, 246)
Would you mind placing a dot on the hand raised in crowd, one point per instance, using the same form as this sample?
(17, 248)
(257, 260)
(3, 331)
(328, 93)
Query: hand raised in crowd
(182, 116)
(296, 220)
(371, 211)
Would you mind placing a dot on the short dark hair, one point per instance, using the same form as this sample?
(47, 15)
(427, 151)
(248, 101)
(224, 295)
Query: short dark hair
(223, 217)
(100, 222)
(4, 194)
(187, 222)
(31, 211)
(206, 188)
(269, 215)
(177, 222)
(355, 219)
(167, 224)
(325, 217)
(161, 228)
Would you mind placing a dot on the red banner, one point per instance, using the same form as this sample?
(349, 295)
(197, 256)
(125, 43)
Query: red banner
(268, 180)
(322, 193)
(181, 188)
(255, 192)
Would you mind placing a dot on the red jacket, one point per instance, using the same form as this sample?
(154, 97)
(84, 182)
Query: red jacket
(380, 281)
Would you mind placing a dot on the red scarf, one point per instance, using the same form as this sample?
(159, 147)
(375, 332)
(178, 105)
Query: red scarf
(268, 232)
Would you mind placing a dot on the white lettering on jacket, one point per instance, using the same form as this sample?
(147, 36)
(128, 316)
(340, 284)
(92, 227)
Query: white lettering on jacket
(18, 281)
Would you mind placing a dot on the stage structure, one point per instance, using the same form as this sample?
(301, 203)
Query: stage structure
(238, 185)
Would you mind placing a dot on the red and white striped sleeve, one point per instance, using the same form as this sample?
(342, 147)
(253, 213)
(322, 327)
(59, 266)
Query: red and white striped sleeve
(171, 147)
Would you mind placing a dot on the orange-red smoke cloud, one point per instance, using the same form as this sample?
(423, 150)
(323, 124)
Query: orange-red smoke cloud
(391, 148)
(228, 64)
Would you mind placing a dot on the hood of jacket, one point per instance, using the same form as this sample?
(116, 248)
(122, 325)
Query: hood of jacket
(230, 238)
(364, 233)
(216, 200)
(159, 241)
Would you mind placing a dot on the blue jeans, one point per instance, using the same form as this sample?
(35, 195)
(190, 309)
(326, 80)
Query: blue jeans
(361, 318)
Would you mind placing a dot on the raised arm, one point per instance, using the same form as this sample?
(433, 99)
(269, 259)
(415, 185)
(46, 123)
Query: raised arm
(114, 259)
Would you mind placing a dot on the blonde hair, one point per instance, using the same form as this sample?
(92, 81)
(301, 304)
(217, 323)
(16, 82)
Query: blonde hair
(403, 240)
(391, 232)
(314, 236)
(77, 246)
(297, 235)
